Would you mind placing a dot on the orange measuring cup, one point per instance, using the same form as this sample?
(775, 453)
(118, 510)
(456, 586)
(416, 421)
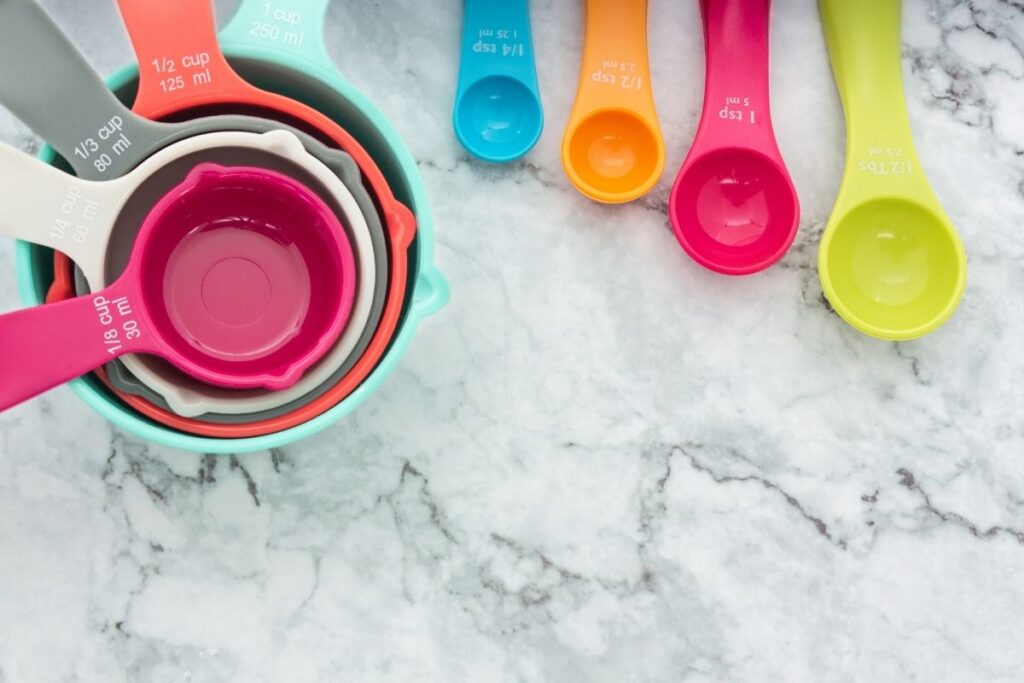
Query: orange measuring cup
(612, 150)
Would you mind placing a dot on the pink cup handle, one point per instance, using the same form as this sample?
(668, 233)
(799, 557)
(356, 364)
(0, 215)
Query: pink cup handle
(44, 346)
(736, 91)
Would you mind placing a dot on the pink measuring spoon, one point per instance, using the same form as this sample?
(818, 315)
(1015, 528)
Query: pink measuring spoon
(733, 207)
(241, 277)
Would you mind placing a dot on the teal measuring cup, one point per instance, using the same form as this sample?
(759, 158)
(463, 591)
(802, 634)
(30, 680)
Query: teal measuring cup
(498, 112)
(279, 46)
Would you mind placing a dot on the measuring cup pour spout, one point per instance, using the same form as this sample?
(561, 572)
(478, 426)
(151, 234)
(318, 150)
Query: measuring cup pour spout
(890, 261)
(733, 207)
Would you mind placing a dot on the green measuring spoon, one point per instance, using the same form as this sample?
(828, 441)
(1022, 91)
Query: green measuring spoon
(891, 262)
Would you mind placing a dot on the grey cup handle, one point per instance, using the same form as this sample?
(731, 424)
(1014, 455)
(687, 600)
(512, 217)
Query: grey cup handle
(47, 83)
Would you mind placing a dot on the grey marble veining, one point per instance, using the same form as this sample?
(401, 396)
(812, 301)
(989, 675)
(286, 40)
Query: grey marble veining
(600, 462)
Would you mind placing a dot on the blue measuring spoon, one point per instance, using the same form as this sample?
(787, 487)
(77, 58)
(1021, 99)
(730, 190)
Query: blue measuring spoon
(498, 114)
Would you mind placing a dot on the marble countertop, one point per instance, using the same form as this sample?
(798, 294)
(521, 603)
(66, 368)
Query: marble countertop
(600, 463)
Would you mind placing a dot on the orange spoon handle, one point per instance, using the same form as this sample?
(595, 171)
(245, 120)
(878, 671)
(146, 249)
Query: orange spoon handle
(180, 61)
(616, 71)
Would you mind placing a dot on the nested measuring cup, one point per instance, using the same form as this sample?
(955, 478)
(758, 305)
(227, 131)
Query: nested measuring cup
(301, 69)
(86, 219)
(241, 277)
(64, 66)
(185, 72)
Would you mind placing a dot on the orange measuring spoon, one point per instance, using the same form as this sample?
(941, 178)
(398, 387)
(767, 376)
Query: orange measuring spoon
(613, 151)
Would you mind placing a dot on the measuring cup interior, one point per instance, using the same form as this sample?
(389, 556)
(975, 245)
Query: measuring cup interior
(225, 231)
(159, 183)
(736, 208)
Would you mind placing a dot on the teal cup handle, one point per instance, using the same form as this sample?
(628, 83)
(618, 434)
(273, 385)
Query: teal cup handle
(294, 28)
(498, 112)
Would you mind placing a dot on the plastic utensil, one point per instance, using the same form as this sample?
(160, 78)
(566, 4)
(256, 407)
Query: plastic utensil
(890, 262)
(733, 207)
(185, 395)
(185, 71)
(302, 70)
(48, 207)
(75, 75)
(498, 114)
(240, 276)
(612, 150)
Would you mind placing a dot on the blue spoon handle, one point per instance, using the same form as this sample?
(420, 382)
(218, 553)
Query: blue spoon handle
(496, 41)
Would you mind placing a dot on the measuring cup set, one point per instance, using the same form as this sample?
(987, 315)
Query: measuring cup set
(890, 262)
(239, 259)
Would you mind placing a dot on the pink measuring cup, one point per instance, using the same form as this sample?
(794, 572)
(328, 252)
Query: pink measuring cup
(733, 206)
(242, 277)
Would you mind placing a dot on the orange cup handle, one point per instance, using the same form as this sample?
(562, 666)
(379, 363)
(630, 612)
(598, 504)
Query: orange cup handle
(180, 61)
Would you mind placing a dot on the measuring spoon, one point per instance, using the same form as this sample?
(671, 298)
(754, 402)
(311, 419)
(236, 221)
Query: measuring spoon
(733, 206)
(241, 277)
(498, 113)
(890, 262)
(612, 150)
(48, 47)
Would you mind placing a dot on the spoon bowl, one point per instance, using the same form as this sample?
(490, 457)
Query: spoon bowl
(613, 155)
(893, 268)
(497, 118)
(734, 210)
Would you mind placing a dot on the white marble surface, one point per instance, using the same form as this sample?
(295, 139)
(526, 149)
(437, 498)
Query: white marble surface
(600, 462)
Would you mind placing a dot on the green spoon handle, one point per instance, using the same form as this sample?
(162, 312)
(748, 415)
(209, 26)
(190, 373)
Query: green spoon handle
(47, 83)
(290, 27)
(864, 46)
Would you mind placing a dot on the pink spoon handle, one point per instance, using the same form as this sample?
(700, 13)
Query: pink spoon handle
(47, 345)
(737, 110)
